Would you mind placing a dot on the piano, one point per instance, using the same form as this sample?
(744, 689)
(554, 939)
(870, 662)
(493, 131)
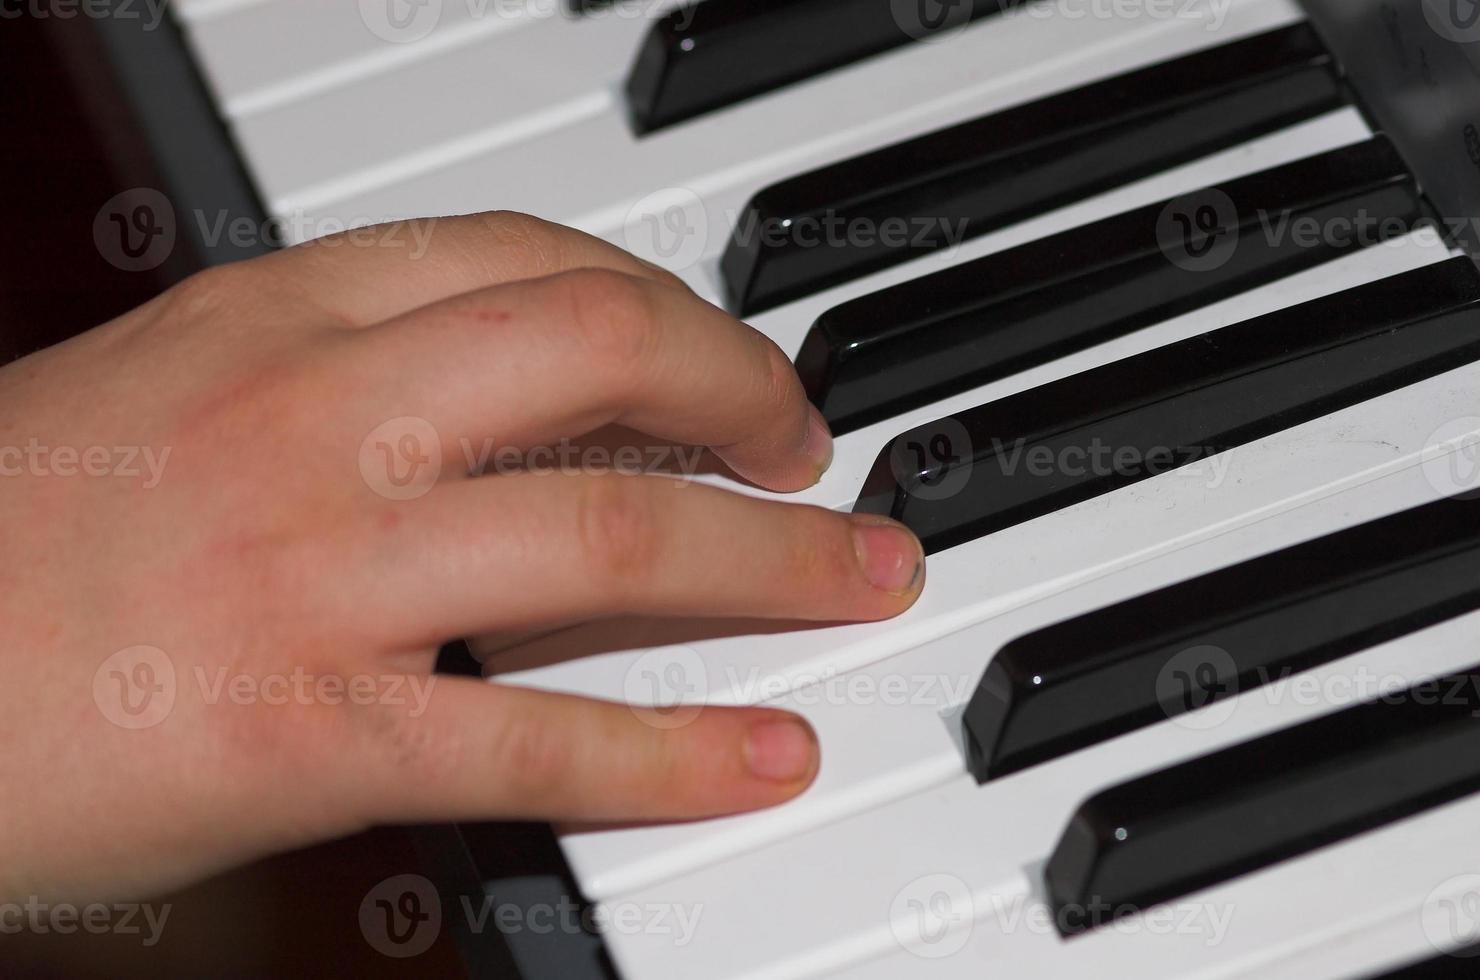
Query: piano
(1159, 321)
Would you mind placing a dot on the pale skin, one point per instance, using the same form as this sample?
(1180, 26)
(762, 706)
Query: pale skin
(262, 552)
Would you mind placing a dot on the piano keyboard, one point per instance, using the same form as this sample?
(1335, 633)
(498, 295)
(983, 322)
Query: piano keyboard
(1200, 493)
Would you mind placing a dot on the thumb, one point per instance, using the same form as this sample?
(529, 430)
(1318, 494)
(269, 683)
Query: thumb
(486, 751)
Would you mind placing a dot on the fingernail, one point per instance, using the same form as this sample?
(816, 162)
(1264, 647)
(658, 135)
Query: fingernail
(890, 555)
(781, 751)
(818, 446)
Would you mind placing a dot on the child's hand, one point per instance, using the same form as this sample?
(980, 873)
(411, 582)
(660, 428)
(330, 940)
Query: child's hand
(238, 524)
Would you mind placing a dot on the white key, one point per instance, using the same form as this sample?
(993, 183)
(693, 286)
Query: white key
(1021, 564)
(260, 55)
(849, 891)
(893, 728)
(496, 91)
(592, 174)
(1390, 898)
(191, 10)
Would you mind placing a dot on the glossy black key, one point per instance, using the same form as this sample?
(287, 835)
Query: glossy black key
(906, 346)
(1142, 661)
(850, 218)
(708, 55)
(1194, 825)
(1030, 454)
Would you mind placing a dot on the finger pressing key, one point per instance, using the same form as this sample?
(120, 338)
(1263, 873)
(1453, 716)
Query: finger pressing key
(542, 359)
(598, 545)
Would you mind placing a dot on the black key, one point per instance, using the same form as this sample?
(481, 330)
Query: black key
(850, 218)
(709, 55)
(1133, 664)
(1194, 825)
(915, 343)
(1462, 964)
(1030, 454)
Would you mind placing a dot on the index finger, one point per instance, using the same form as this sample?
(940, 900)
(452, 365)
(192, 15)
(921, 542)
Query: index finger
(544, 359)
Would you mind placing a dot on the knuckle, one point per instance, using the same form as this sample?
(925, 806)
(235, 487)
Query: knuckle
(535, 243)
(782, 388)
(409, 753)
(819, 550)
(617, 525)
(614, 316)
(408, 743)
(536, 758)
(669, 279)
(210, 290)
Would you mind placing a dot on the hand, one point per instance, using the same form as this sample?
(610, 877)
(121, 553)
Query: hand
(230, 557)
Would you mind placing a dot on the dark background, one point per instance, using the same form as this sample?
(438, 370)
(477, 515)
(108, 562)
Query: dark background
(69, 141)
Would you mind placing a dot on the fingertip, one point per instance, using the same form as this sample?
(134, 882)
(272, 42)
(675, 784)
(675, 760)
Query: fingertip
(782, 749)
(801, 469)
(817, 447)
(890, 555)
(736, 760)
